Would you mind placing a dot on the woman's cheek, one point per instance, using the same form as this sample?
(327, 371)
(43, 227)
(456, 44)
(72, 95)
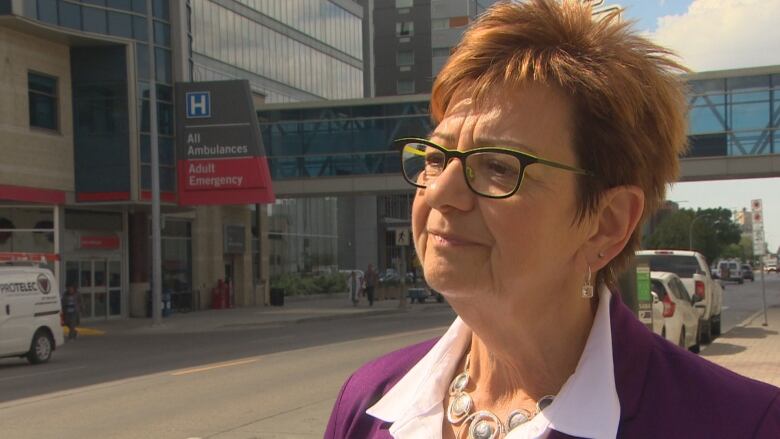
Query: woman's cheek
(420, 212)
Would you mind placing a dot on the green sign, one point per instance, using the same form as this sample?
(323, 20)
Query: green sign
(643, 283)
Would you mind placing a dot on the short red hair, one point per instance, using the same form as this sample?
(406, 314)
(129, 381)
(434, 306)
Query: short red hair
(629, 98)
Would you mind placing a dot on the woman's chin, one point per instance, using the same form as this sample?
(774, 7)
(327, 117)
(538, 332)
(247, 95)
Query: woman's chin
(450, 284)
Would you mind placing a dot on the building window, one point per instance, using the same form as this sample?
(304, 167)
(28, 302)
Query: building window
(404, 28)
(441, 52)
(42, 92)
(405, 58)
(404, 3)
(440, 23)
(405, 86)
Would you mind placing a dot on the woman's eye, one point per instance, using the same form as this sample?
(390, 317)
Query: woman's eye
(500, 169)
(434, 160)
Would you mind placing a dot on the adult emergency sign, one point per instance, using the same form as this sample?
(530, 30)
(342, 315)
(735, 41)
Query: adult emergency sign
(221, 159)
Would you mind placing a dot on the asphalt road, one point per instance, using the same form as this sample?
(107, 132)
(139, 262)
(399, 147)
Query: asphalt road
(269, 382)
(264, 383)
(742, 301)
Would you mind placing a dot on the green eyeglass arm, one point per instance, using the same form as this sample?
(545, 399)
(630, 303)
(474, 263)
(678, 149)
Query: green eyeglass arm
(414, 151)
(566, 167)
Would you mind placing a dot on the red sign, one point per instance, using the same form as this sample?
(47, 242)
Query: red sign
(221, 158)
(99, 242)
(33, 257)
(240, 180)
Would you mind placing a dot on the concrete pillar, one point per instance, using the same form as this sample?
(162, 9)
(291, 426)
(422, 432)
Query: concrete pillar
(366, 231)
(138, 250)
(209, 258)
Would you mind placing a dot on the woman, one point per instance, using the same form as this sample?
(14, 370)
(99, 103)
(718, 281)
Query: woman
(557, 134)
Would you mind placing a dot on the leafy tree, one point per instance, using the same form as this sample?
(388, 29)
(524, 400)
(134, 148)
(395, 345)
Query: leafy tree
(709, 230)
(733, 251)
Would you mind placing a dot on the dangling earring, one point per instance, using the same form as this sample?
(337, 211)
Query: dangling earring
(587, 289)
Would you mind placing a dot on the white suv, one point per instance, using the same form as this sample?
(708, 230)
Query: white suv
(692, 269)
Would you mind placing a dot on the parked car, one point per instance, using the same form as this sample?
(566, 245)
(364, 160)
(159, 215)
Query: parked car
(747, 272)
(30, 313)
(674, 316)
(770, 267)
(421, 294)
(730, 271)
(714, 271)
(691, 267)
(391, 275)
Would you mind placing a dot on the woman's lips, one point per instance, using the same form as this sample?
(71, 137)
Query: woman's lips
(449, 240)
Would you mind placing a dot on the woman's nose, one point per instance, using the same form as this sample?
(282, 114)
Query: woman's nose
(450, 190)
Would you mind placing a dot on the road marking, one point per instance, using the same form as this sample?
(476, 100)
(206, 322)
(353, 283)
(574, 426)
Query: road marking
(42, 373)
(212, 367)
(83, 331)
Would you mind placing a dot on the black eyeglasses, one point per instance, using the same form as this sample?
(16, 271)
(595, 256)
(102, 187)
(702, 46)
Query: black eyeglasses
(492, 172)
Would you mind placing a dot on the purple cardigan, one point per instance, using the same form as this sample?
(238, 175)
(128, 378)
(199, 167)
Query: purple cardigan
(664, 392)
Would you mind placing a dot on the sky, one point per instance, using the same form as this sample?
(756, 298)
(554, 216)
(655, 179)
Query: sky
(717, 35)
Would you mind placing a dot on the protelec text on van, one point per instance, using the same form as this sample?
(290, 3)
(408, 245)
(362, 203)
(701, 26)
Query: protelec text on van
(19, 287)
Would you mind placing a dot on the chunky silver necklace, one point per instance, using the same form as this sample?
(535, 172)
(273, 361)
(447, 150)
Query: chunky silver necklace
(484, 424)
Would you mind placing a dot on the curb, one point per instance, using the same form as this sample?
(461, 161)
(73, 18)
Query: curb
(749, 319)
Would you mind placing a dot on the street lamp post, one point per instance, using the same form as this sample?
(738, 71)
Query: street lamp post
(690, 231)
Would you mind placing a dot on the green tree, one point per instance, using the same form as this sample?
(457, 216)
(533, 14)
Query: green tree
(709, 230)
(733, 251)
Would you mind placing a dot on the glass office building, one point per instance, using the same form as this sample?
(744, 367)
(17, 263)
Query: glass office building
(100, 89)
(734, 114)
(338, 139)
(289, 50)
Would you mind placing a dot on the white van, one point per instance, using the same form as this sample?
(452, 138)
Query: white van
(29, 313)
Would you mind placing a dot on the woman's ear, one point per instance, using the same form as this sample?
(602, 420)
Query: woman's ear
(618, 214)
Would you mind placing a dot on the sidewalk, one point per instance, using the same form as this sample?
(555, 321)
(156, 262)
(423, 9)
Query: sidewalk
(750, 348)
(295, 310)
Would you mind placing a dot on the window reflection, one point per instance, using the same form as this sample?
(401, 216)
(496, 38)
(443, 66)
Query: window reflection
(239, 41)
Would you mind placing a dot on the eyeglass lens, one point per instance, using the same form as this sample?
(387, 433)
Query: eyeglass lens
(487, 173)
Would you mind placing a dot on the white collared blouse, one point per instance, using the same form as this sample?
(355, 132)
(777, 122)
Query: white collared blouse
(586, 406)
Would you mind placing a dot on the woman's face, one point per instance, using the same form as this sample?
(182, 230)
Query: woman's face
(472, 246)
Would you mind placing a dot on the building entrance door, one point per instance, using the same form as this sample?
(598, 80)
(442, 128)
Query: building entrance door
(99, 281)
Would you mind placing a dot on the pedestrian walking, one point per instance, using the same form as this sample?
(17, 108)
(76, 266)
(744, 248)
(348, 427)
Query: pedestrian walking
(71, 306)
(371, 279)
(354, 282)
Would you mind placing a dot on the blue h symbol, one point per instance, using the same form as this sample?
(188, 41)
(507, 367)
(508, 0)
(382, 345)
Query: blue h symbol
(198, 104)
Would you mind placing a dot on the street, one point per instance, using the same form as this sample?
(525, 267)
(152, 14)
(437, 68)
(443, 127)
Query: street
(271, 381)
(268, 383)
(742, 301)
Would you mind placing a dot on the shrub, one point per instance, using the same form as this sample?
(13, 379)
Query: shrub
(296, 284)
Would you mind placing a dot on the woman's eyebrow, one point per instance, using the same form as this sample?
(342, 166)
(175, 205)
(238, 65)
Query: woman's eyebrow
(443, 137)
(449, 139)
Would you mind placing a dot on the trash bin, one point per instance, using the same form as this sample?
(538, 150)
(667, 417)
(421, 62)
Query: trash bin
(277, 296)
(166, 304)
